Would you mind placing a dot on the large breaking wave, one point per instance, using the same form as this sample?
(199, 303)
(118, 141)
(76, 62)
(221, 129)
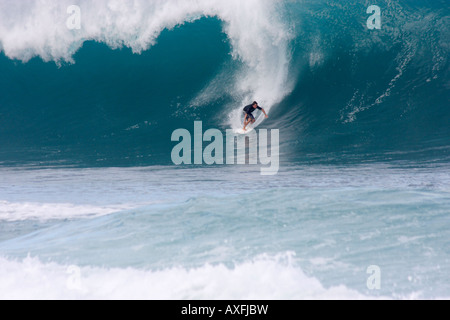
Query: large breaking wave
(114, 91)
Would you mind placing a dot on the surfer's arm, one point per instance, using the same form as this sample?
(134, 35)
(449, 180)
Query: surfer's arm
(264, 111)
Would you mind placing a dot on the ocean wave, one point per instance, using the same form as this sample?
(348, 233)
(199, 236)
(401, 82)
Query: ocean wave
(263, 278)
(334, 88)
(258, 38)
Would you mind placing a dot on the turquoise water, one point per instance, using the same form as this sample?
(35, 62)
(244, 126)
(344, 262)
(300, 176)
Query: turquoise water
(92, 206)
(310, 231)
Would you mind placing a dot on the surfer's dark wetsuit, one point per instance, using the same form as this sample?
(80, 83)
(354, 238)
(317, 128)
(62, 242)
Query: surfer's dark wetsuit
(249, 110)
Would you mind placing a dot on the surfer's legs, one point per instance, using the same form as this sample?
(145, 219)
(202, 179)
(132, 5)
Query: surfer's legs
(246, 121)
(248, 118)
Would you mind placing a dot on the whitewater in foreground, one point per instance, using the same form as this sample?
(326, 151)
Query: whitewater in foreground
(311, 232)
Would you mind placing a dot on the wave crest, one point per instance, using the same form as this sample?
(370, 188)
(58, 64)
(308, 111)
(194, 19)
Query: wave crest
(259, 40)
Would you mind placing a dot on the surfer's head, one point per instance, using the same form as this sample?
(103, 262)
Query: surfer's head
(255, 104)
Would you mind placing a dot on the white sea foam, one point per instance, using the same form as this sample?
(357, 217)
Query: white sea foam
(12, 211)
(262, 278)
(259, 40)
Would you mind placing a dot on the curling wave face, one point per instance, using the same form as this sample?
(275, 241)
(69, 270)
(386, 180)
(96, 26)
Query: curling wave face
(112, 92)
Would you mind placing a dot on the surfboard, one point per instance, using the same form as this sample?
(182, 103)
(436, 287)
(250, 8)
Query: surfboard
(241, 131)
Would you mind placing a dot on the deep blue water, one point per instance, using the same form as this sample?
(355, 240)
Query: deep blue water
(356, 93)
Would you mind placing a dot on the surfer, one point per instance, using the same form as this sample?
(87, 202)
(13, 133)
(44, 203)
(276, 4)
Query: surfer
(248, 110)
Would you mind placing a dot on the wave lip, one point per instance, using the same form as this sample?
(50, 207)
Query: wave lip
(258, 38)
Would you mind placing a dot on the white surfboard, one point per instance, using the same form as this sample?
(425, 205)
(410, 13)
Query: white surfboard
(241, 131)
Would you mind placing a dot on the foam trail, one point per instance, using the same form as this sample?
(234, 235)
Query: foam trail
(30, 28)
(10, 211)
